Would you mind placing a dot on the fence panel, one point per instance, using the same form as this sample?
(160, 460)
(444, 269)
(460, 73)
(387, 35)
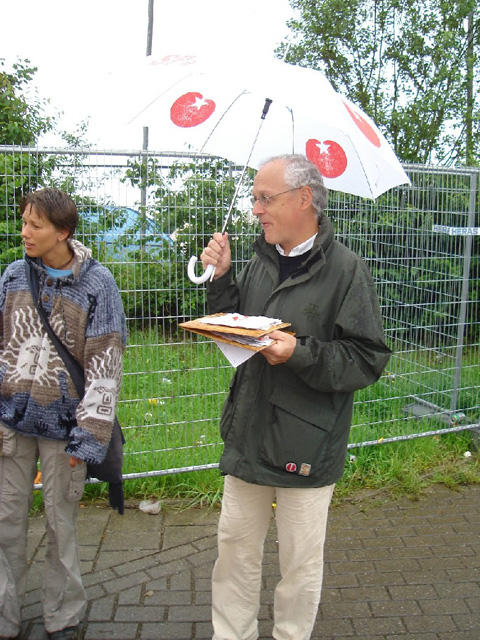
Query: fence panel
(144, 214)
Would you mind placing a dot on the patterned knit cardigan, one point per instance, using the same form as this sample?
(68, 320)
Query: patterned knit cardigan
(37, 396)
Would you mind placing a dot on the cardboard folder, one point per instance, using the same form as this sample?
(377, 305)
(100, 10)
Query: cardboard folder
(231, 335)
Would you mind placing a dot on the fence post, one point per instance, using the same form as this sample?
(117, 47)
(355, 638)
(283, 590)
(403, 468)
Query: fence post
(464, 302)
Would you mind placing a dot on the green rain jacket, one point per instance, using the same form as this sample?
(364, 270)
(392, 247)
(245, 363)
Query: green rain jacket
(287, 425)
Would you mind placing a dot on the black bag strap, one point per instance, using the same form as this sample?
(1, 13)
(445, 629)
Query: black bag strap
(115, 488)
(73, 367)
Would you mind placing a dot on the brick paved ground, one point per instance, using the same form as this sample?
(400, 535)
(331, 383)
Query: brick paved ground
(395, 570)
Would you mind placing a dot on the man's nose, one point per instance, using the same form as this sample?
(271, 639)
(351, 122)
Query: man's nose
(257, 208)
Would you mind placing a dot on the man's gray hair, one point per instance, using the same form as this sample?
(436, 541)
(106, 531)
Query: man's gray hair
(300, 172)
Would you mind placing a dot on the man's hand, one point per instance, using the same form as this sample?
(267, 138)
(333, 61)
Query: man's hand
(218, 253)
(74, 461)
(283, 348)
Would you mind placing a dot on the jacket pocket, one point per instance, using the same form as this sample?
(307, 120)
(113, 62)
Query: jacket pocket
(76, 484)
(8, 442)
(298, 439)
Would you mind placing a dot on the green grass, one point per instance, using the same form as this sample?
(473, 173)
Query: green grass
(408, 467)
(172, 396)
(397, 469)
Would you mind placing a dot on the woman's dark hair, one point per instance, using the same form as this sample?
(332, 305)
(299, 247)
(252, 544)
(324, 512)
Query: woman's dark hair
(57, 206)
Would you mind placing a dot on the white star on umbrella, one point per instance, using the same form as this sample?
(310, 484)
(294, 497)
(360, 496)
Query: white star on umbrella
(323, 147)
(199, 103)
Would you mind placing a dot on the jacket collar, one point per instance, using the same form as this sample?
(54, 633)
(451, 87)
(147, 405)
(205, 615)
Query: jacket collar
(82, 256)
(315, 259)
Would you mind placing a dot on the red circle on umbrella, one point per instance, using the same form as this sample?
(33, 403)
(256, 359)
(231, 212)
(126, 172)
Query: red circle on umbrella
(364, 127)
(328, 155)
(191, 109)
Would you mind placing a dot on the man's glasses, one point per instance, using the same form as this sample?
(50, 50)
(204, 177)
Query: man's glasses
(265, 200)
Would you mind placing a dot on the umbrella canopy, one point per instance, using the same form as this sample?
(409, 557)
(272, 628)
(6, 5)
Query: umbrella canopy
(190, 103)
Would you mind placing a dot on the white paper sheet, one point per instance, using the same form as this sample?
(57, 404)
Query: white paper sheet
(263, 341)
(243, 322)
(235, 355)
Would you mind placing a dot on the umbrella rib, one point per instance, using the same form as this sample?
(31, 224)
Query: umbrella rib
(222, 117)
(293, 128)
(266, 108)
(367, 177)
(159, 96)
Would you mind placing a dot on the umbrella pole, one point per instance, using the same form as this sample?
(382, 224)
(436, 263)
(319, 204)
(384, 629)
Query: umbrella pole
(210, 270)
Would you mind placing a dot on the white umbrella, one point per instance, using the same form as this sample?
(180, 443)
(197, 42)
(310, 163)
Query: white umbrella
(208, 105)
(221, 109)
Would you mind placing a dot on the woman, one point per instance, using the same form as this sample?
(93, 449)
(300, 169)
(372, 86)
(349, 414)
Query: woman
(41, 415)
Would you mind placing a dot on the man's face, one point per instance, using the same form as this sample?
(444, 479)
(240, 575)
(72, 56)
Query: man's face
(284, 218)
(39, 235)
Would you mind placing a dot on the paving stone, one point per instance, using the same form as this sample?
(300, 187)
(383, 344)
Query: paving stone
(371, 627)
(204, 631)
(138, 564)
(133, 595)
(165, 598)
(348, 567)
(458, 635)
(167, 631)
(394, 570)
(129, 613)
(193, 613)
(412, 592)
(32, 611)
(36, 632)
(176, 535)
(430, 623)
(107, 559)
(332, 610)
(127, 540)
(102, 608)
(467, 622)
(167, 569)
(118, 584)
(183, 582)
(110, 631)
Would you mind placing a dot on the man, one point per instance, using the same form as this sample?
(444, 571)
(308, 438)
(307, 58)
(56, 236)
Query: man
(286, 421)
(41, 416)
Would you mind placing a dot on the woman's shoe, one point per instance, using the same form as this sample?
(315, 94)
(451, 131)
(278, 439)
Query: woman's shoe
(69, 633)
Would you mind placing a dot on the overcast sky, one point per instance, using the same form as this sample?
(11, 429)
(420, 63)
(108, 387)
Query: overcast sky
(75, 45)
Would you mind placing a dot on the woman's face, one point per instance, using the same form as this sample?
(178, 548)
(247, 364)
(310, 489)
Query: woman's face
(40, 236)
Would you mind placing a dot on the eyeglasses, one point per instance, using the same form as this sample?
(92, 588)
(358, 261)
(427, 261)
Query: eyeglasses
(265, 200)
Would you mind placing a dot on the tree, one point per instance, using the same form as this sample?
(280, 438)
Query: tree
(188, 202)
(22, 118)
(410, 65)
(21, 122)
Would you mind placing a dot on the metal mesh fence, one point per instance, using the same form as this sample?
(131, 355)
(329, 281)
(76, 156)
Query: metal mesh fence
(144, 215)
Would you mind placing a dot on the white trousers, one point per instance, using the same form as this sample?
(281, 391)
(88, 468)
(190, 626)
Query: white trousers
(301, 519)
(63, 595)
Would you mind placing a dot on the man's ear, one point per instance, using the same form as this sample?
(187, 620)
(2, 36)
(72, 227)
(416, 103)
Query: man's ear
(306, 196)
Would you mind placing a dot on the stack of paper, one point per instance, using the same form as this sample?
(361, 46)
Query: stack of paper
(239, 337)
(237, 321)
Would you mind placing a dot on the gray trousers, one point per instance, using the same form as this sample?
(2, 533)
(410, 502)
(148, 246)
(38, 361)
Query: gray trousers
(63, 595)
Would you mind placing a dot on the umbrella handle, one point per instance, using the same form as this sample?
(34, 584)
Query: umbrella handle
(210, 270)
(208, 273)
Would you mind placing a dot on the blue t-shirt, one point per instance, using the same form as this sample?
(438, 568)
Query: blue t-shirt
(57, 273)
